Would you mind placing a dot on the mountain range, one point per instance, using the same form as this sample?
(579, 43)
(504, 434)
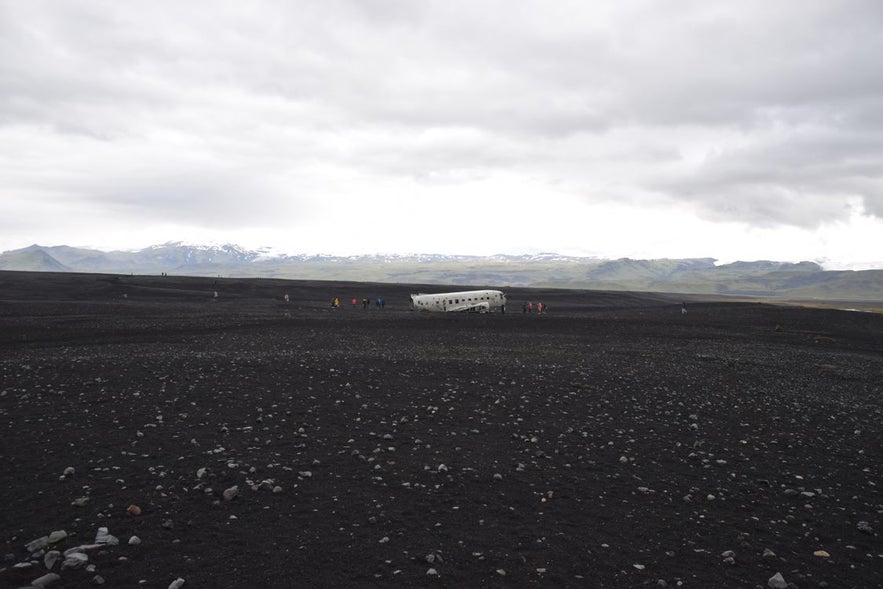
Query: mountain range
(802, 280)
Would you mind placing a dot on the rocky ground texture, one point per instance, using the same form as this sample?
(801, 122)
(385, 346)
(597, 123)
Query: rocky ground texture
(153, 434)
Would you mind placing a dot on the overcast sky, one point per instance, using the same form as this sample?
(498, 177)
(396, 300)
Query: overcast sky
(735, 130)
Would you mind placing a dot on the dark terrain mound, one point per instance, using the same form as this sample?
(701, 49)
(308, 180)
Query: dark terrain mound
(611, 442)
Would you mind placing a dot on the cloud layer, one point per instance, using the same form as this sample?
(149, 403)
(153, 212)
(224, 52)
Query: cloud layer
(283, 117)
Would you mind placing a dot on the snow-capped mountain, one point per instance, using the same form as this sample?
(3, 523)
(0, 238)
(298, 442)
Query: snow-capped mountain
(693, 275)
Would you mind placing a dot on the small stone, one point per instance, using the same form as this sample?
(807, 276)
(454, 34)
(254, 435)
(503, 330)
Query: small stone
(623, 459)
(45, 580)
(50, 558)
(103, 536)
(305, 474)
(498, 476)
(640, 567)
(168, 524)
(865, 527)
(430, 558)
(177, 583)
(821, 553)
(501, 572)
(80, 502)
(133, 510)
(38, 544)
(75, 560)
(57, 536)
(231, 493)
(442, 468)
(69, 472)
(767, 553)
(777, 581)
(134, 541)
(384, 540)
(431, 572)
(728, 554)
(200, 473)
(277, 489)
(98, 580)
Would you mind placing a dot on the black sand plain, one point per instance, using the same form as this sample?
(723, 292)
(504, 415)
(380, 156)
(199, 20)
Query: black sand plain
(611, 442)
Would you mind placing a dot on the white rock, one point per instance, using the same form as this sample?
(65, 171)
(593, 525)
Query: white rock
(38, 544)
(57, 536)
(45, 580)
(177, 583)
(74, 560)
(50, 558)
(105, 537)
(777, 581)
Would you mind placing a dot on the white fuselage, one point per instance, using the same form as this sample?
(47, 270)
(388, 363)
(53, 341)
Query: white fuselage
(480, 301)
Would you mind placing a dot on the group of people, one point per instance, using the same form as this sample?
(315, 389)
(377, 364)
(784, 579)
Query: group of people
(366, 302)
(528, 307)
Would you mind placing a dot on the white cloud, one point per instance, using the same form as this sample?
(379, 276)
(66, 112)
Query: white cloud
(345, 125)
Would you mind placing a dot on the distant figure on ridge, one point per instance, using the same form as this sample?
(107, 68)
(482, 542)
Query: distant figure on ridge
(684, 308)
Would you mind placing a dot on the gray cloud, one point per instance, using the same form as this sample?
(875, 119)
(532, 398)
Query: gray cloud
(759, 112)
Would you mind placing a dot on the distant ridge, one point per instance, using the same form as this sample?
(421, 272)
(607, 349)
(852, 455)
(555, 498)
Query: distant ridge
(32, 258)
(764, 278)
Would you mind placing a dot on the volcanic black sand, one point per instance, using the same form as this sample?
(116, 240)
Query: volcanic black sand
(610, 442)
